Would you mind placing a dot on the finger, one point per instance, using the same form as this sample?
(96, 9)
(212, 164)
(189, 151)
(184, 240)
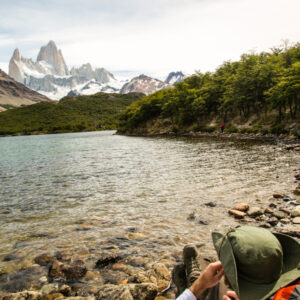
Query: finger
(232, 294)
(220, 274)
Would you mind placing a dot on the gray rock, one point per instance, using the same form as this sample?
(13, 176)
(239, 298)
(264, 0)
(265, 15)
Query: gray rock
(280, 214)
(273, 221)
(296, 211)
(255, 211)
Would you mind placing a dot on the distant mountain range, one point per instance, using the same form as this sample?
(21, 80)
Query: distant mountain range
(50, 76)
(13, 94)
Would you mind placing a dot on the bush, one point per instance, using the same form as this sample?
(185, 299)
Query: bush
(231, 129)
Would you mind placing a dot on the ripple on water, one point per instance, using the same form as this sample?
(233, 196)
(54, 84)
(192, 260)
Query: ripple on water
(50, 185)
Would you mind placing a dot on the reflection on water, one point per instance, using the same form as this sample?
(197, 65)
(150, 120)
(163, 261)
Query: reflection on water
(51, 185)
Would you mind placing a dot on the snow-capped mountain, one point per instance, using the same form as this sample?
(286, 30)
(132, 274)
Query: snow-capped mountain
(175, 77)
(143, 84)
(50, 76)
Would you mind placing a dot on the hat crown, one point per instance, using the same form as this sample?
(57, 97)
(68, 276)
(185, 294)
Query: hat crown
(258, 254)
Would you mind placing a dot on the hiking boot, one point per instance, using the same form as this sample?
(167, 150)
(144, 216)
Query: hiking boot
(190, 258)
(179, 278)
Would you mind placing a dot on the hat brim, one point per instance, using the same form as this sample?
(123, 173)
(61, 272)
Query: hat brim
(248, 290)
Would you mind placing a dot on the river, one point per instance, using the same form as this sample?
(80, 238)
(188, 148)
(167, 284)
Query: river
(105, 192)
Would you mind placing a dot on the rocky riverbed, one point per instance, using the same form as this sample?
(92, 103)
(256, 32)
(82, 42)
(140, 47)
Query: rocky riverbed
(82, 274)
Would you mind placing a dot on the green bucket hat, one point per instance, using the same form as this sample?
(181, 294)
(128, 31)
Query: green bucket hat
(257, 262)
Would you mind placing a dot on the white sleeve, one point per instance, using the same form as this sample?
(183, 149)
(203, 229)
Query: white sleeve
(187, 295)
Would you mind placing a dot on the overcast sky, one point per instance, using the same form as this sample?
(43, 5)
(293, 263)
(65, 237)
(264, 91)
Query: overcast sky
(153, 37)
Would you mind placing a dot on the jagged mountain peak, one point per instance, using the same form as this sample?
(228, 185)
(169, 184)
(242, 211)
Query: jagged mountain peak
(175, 77)
(16, 55)
(51, 55)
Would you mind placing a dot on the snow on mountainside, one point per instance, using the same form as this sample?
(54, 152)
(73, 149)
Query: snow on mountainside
(50, 76)
(143, 84)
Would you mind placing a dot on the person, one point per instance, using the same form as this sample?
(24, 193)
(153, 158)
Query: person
(222, 127)
(257, 264)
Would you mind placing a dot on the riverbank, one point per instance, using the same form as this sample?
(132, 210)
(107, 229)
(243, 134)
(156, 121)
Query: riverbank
(282, 139)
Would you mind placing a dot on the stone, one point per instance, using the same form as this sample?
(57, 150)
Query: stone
(296, 192)
(211, 204)
(192, 216)
(278, 195)
(272, 205)
(67, 272)
(296, 220)
(54, 296)
(105, 260)
(44, 259)
(255, 211)
(135, 235)
(285, 210)
(269, 210)
(261, 218)
(49, 288)
(65, 290)
(280, 214)
(202, 222)
(241, 206)
(296, 211)
(109, 292)
(273, 221)
(265, 225)
(236, 213)
(25, 295)
(143, 291)
(285, 221)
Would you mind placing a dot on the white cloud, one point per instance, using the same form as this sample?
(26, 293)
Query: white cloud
(158, 36)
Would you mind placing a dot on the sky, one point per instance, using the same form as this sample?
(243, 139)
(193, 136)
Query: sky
(153, 37)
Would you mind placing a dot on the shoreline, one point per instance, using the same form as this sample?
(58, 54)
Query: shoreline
(282, 139)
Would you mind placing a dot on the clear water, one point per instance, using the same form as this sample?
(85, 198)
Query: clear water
(50, 184)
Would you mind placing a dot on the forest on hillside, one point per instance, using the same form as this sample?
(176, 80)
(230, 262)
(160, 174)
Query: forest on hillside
(71, 114)
(264, 87)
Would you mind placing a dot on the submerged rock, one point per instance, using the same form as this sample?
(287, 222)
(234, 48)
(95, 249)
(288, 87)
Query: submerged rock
(143, 291)
(65, 272)
(25, 295)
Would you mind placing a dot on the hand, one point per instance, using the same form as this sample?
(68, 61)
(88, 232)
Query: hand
(231, 295)
(209, 278)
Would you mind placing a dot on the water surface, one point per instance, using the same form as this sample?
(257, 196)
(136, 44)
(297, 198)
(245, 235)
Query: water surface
(53, 187)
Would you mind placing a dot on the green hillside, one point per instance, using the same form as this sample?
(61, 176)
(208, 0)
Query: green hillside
(260, 93)
(71, 114)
